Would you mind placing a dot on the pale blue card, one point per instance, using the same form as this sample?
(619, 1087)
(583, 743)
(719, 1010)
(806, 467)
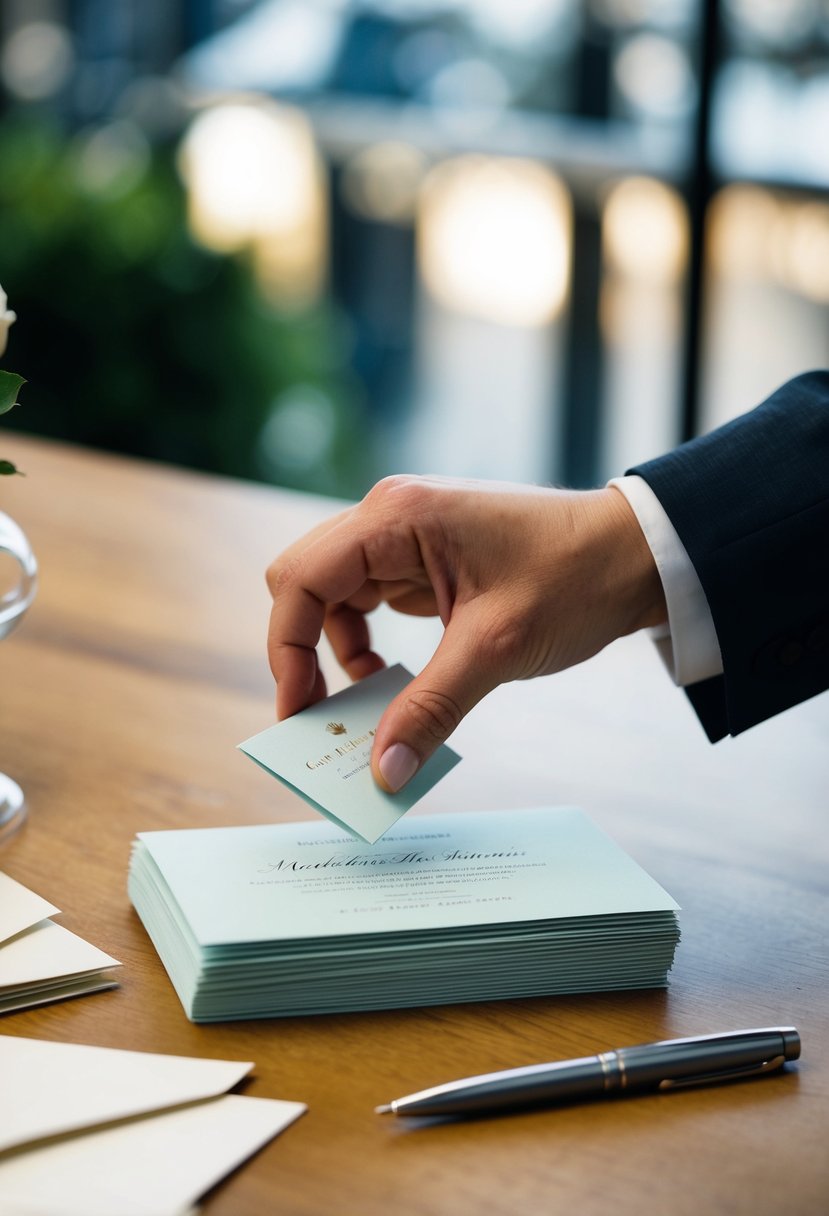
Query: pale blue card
(323, 753)
(283, 882)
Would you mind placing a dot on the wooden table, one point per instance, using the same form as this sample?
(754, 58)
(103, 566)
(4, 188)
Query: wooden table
(140, 667)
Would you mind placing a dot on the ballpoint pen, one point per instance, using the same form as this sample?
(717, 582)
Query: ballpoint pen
(666, 1065)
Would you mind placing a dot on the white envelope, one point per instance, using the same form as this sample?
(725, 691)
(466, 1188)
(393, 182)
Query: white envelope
(20, 907)
(156, 1166)
(51, 1088)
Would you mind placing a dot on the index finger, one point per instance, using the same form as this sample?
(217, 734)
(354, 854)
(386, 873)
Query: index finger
(323, 569)
(333, 563)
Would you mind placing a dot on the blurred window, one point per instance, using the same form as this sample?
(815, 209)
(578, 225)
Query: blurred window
(540, 239)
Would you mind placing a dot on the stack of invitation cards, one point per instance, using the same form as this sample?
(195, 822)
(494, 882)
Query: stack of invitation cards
(288, 919)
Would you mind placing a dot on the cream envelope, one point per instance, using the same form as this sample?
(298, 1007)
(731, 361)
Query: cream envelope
(156, 1166)
(51, 1088)
(47, 963)
(20, 907)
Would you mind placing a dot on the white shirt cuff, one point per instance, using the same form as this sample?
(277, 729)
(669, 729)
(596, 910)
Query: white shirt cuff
(688, 643)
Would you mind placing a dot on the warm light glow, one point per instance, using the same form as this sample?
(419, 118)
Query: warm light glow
(381, 182)
(741, 221)
(494, 238)
(803, 257)
(246, 170)
(757, 236)
(254, 181)
(645, 231)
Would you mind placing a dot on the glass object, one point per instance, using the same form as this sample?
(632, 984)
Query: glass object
(13, 604)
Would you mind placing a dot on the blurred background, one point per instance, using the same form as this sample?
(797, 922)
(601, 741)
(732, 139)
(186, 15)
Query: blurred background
(312, 242)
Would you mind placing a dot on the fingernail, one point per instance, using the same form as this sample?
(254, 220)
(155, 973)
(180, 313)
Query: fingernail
(398, 764)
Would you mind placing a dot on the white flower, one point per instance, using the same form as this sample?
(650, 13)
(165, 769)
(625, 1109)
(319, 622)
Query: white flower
(7, 319)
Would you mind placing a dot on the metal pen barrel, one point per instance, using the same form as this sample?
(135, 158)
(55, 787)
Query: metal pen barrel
(718, 1057)
(568, 1080)
(660, 1065)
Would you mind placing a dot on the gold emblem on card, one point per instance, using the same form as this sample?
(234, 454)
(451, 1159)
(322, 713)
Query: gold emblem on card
(335, 728)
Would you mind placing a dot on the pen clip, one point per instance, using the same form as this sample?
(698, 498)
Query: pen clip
(731, 1074)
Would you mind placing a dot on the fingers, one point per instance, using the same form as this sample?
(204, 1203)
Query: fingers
(293, 632)
(429, 709)
(330, 579)
(300, 681)
(301, 583)
(347, 631)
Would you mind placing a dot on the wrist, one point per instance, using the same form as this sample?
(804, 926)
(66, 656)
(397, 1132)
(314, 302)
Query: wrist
(632, 581)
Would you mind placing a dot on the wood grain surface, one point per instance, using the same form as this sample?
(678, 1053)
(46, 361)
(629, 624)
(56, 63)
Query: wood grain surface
(124, 693)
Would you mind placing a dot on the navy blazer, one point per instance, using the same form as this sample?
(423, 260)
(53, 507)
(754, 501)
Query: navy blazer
(750, 502)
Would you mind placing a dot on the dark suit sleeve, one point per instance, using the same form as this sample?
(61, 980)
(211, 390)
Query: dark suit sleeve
(750, 502)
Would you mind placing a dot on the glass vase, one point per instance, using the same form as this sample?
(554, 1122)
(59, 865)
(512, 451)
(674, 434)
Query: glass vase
(13, 604)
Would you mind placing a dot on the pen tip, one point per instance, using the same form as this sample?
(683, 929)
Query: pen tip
(382, 1110)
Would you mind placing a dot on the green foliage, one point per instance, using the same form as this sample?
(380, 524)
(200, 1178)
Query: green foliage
(10, 384)
(137, 339)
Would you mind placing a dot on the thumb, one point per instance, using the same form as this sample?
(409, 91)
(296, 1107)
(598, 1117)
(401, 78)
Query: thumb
(424, 715)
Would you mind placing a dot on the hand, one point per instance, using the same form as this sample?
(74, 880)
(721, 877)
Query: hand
(526, 580)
